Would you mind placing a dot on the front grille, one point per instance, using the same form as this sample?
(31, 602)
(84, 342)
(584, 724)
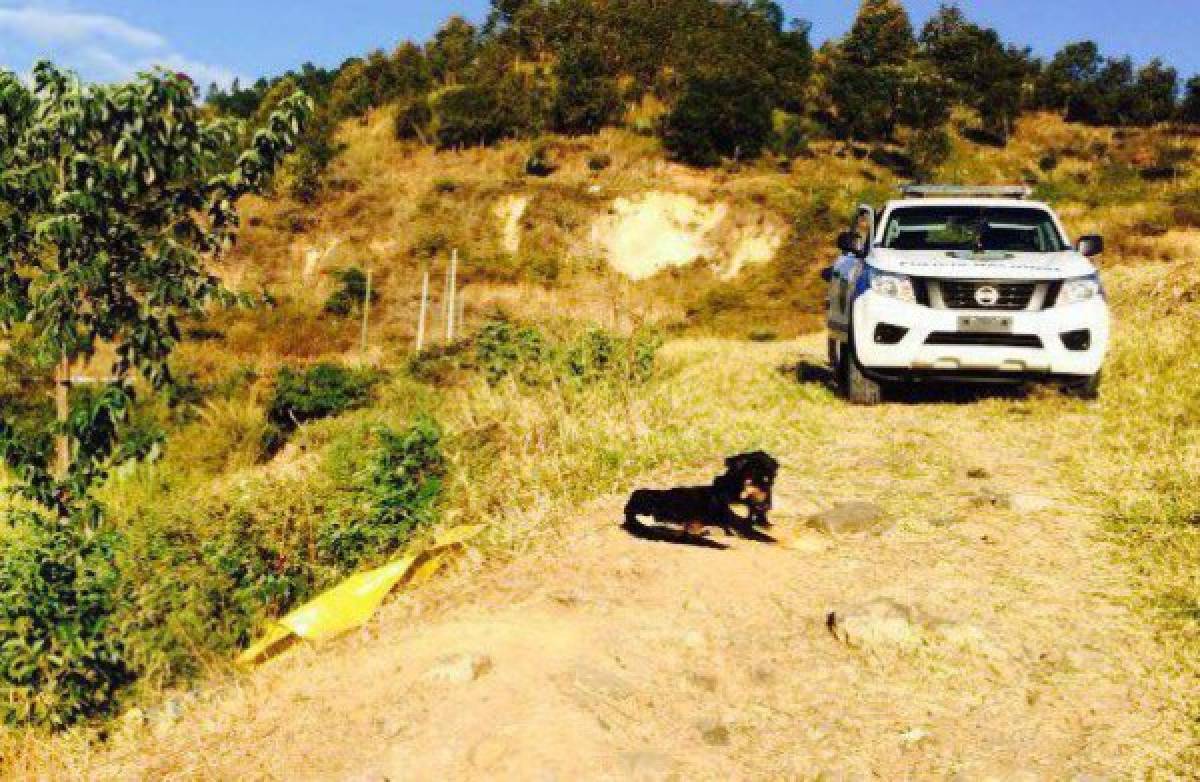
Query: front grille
(987, 340)
(1011, 296)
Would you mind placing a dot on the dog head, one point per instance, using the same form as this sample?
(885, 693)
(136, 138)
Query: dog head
(753, 477)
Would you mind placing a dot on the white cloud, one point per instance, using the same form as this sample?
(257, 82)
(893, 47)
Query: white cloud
(99, 46)
(49, 27)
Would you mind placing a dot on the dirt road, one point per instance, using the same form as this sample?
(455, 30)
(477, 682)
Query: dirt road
(993, 644)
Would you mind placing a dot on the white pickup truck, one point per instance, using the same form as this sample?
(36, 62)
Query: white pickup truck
(974, 284)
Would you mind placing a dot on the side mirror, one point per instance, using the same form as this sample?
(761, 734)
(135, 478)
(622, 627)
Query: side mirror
(827, 274)
(1091, 246)
(850, 243)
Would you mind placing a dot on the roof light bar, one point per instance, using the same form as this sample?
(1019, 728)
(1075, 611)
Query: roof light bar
(966, 191)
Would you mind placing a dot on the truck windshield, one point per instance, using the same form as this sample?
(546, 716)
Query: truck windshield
(973, 229)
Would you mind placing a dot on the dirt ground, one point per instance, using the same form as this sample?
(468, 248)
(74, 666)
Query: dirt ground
(1005, 654)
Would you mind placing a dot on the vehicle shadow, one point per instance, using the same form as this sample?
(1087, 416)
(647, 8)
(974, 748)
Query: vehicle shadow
(813, 372)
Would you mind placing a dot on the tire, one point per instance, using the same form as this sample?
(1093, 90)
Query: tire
(856, 387)
(1087, 389)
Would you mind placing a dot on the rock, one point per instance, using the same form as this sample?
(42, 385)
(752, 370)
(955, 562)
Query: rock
(460, 669)
(881, 622)
(911, 738)
(851, 518)
(705, 681)
(1031, 503)
(645, 764)
(593, 680)
(992, 499)
(978, 474)
(714, 732)
(806, 543)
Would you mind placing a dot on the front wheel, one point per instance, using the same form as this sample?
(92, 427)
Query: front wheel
(1087, 389)
(855, 386)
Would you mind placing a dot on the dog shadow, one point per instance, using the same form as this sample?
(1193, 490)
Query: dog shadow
(655, 533)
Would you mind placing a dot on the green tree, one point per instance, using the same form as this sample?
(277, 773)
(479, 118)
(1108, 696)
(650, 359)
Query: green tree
(110, 203)
(1073, 71)
(986, 75)
(882, 34)
(1189, 108)
(587, 97)
(452, 50)
(1157, 93)
(719, 116)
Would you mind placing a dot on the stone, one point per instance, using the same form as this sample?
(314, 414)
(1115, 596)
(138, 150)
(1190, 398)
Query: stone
(645, 764)
(881, 622)
(593, 680)
(460, 669)
(978, 474)
(992, 499)
(714, 732)
(851, 518)
(1031, 503)
(705, 681)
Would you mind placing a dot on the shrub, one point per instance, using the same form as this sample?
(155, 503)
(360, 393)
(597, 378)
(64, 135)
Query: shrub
(788, 138)
(394, 495)
(503, 348)
(323, 391)
(587, 98)
(467, 116)
(599, 162)
(540, 163)
(413, 119)
(727, 115)
(349, 298)
(61, 660)
(929, 150)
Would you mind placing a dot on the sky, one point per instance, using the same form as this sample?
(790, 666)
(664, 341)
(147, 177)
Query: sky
(219, 40)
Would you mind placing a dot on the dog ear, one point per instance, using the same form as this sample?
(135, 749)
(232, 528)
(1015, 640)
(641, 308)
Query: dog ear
(735, 463)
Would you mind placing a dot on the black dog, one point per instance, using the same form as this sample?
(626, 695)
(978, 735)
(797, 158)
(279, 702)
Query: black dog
(749, 480)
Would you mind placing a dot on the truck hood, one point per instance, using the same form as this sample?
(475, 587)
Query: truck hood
(987, 266)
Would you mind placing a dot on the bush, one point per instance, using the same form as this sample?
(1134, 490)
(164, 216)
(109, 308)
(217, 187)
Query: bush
(394, 495)
(788, 139)
(468, 116)
(61, 660)
(349, 298)
(323, 391)
(928, 151)
(588, 97)
(599, 162)
(727, 115)
(503, 348)
(540, 162)
(413, 119)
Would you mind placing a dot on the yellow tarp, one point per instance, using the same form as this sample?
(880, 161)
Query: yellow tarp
(354, 601)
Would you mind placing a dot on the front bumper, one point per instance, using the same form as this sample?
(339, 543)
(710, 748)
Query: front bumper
(914, 355)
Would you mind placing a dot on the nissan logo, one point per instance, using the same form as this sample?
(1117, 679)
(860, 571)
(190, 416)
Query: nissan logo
(987, 296)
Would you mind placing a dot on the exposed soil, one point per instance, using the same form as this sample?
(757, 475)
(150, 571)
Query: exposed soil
(1004, 652)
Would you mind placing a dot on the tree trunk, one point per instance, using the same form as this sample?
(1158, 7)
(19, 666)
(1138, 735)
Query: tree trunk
(62, 406)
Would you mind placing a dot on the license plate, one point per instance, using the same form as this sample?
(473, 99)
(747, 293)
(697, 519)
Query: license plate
(985, 324)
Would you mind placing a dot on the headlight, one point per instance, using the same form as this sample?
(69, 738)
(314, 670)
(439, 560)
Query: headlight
(894, 286)
(1081, 289)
